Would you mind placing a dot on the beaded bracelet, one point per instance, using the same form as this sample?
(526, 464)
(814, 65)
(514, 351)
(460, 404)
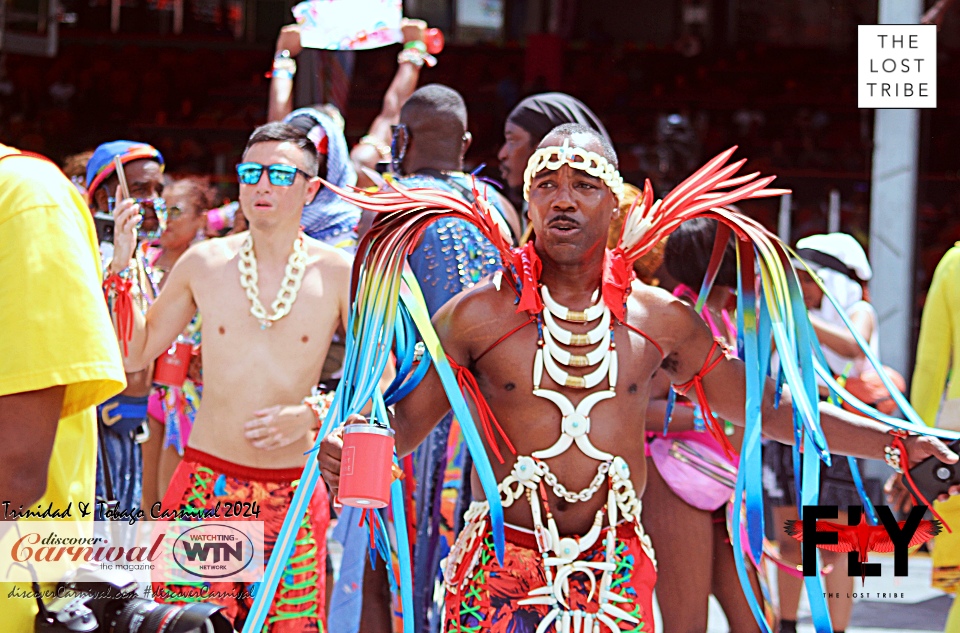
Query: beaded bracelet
(896, 451)
(416, 53)
(320, 405)
(284, 66)
(382, 148)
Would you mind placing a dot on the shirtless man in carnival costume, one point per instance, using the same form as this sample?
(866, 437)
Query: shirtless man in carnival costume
(565, 365)
(261, 358)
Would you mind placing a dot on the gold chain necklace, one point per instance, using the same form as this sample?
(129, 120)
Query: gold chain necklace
(292, 278)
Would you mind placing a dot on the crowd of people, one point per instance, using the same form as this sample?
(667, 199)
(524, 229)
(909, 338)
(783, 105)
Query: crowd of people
(227, 340)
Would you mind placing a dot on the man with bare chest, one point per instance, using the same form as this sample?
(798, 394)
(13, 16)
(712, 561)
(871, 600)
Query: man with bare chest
(568, 382)
(261, 358)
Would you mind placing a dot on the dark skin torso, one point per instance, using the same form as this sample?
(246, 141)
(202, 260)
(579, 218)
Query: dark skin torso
(505, 377)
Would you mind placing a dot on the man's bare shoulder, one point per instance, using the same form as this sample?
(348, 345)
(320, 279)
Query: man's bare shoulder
(482, 302)
(653, 299)
(212, 252)
(326, 257)
(472, 320)
(667, 319)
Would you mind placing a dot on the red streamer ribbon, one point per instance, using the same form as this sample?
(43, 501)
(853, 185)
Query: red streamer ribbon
(618, 275)
(488, 420)
(528, 266)
(369, 516)
(713, 425)
(123, 306)
(897, 443)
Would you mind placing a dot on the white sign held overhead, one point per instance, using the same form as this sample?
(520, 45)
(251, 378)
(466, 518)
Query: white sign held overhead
(349, 25)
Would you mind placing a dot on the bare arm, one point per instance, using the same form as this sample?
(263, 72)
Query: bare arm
(28, 427)
(839, 338)
(167, 317)
(366, 154)
(682, 418)
(725, 388)
(174, 306)
(935, 14)
(280, 102)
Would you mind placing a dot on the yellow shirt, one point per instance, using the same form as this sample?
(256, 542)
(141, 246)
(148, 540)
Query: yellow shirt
(54, 328)
(938, 348)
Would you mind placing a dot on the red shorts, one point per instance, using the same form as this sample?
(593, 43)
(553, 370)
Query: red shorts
(482, 596)
(202, 480)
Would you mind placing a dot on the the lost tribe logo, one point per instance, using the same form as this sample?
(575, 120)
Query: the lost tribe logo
(859, 538)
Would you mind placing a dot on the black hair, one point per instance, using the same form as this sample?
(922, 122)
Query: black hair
(282, 132)
(688, 250)
(569, 129)
(436, 116)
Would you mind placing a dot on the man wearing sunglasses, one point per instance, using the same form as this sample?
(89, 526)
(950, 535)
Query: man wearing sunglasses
(270, 300)
(122, 419)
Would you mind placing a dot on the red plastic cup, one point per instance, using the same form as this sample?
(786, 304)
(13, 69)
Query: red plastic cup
(433, 38)
(171, 368)
(366, 466)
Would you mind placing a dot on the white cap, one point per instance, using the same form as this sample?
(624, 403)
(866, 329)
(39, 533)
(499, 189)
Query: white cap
(838, 246)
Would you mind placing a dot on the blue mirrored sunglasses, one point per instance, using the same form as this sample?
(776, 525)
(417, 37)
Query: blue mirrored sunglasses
(280, 175)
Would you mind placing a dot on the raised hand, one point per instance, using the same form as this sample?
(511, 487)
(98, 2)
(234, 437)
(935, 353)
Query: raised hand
(126, 218)
(289, 40)
(412, 30)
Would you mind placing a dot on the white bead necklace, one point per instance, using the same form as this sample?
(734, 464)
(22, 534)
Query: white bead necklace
(575, 420)
(568, 338)
(292, 278)
(566, 314)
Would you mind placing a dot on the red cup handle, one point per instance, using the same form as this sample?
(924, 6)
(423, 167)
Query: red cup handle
(433, 38)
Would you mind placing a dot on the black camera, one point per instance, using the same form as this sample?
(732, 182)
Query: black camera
(105, 225)
(98, 601)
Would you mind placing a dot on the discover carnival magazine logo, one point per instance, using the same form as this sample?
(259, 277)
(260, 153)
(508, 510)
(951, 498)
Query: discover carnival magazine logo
(156, 551)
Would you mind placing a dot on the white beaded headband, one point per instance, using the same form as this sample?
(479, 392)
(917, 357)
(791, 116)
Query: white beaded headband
(553, 158)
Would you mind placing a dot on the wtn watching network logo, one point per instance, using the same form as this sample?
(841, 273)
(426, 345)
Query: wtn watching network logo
(214, 551)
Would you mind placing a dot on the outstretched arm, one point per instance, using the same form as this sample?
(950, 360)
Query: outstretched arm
(725, 390)
(838, 337)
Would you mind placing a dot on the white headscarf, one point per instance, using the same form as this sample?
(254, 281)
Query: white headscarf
(839, 250)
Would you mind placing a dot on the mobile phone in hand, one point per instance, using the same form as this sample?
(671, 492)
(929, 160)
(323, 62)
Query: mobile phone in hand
(934, 478)
(104, 222)
(122, 177)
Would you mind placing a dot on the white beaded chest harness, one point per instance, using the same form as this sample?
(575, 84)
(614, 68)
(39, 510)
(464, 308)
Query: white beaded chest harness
(561, 555)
